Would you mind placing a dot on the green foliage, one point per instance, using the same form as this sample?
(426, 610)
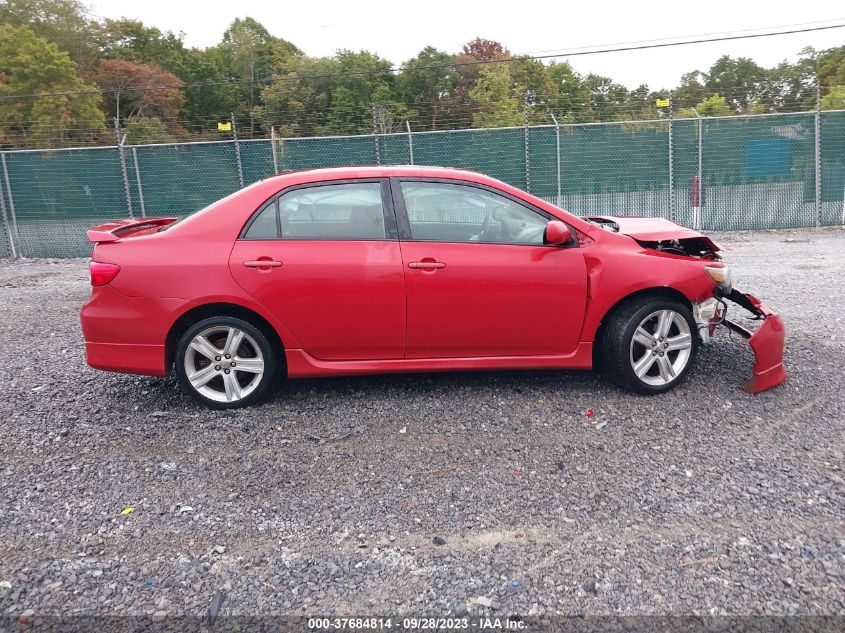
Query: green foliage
(266, 81)
(62, 22)
(29, 65)
(832, 67)
(251, 54)
(426, 85)
(835, 99)
(741, 80)
(143, 129)
(571, 95)
(792, 87)
(498, 103)
(328, 95)
(608, 100)
(715, 105)
(134, 42)
(691, 90)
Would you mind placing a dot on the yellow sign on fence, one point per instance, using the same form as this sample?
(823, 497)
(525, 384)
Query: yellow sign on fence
(663, 103)
(224, 127)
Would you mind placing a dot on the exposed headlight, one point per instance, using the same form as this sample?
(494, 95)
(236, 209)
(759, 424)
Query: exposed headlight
(720, 276)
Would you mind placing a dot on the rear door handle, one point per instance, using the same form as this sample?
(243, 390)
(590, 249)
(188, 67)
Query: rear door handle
(262, 263)
(426, 265)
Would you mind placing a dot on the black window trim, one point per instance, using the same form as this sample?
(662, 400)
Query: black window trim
(390, 227)
(404, 223)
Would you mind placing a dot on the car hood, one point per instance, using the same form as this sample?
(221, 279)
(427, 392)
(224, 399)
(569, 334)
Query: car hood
(652, 230)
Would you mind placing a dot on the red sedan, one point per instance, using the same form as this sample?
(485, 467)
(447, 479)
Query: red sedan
(405, 269)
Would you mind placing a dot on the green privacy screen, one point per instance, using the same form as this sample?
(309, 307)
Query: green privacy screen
(717, 173)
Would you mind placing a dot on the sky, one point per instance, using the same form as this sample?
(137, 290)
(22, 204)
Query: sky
(399, 30)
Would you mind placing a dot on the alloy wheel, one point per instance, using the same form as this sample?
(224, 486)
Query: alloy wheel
(661, 347)
(224, 363)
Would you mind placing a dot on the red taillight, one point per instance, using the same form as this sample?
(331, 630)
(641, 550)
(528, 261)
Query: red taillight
(101, 273)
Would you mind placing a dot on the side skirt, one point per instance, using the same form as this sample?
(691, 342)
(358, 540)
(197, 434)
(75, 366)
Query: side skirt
(301, 364)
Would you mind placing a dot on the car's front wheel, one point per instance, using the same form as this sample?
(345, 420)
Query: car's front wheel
(226, 362)
(649, 345)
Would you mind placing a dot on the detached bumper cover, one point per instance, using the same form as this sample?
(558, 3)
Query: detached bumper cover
(767, 341)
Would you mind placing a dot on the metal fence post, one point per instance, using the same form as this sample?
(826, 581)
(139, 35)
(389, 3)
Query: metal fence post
(698, 186)
(410, 142)
(7, 226)
(818, 166)
(557, 157)
(125, 174)
(273, 150)
(14, 236)
(237, 151)
(377, 148)
(700, 171)
(525, 136)
(138, 181)
(671, 166)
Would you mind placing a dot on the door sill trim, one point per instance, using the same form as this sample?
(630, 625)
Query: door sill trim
(301, 364)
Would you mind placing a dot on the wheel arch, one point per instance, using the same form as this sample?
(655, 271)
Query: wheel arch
(206, 310)
(666, 292)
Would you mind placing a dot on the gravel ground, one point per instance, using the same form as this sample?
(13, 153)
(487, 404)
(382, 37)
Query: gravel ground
(430, 494)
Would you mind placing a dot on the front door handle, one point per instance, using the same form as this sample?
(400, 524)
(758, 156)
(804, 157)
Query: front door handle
(262, 263)
(426, 265)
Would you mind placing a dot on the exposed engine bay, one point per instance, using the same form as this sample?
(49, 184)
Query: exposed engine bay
(661, 235)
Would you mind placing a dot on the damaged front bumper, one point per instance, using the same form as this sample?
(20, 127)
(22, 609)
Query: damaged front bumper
(767, 341)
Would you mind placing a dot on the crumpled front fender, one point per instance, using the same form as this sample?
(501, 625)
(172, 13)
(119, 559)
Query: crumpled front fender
(767, 341)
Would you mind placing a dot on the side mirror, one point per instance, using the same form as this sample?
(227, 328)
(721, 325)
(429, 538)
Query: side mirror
(557, 233)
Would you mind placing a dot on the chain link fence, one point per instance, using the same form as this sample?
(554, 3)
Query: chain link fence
(729, 173)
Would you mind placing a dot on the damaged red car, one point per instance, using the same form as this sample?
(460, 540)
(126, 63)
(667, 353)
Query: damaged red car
(365, 270)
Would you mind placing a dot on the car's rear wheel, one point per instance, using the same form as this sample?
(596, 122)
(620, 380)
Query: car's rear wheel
(226, 362)
(649, 345)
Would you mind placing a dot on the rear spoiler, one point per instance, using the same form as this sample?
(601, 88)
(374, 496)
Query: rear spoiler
(113, 231)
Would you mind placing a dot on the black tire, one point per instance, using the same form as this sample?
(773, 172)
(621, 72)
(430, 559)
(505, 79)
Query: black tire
(617, 351)
(256, 387)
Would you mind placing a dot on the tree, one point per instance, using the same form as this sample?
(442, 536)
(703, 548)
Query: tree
(362, 79)
(63, 22)
(426, 86)
(209, 92)
(29, 65)
(608, 100)
(474, 56)
(485, 50)
(294, 102)
(146, 130)
(834, 99)
(208, 95)
(691, 90)
(139, 90)
(535, 86)
(715, 105)
(571, 102)
(792, 87)
(740, 80)
(250, 54)
(831, 67)
(497, 103)
(133, 41)
(332, 95)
